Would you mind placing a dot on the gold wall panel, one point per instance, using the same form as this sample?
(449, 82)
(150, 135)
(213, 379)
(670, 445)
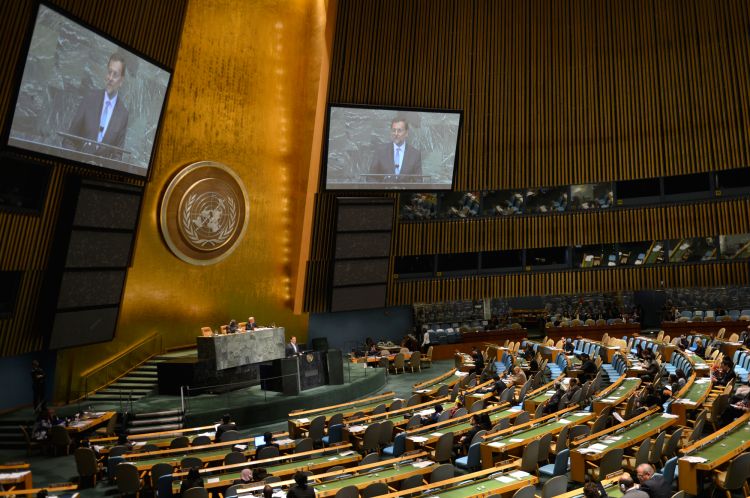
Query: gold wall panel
(243, 94)
(151, 27)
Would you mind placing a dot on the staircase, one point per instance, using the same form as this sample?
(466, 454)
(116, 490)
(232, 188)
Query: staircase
(169, 420)
(11, 436)
(137, 384)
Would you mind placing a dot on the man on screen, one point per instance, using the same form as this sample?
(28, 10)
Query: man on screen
(398, 160)
(102, 117)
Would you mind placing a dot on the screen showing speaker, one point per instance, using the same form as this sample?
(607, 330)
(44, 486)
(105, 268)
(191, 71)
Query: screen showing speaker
(85, 98)
(375, 148)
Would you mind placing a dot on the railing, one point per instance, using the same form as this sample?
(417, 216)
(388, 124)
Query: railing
(111, 369)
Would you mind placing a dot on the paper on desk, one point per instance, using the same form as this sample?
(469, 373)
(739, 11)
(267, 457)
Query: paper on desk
(516, 440)
(702, 380)
(519, 474)
(212, 479)
(462, 374)
(334, 457)
(694, 459)
(138, 444)
(564, 421)
(422, 391)
(303, 420)
(504, 479)
(598, 447)
(346, 453)
(497, 444)
(241, 447)
(588, 451)
(357, 428)
(13, 475)
(97, 448)
(422, 465)
(418, 439)
(668, 415)
(550, 392)
(209, 434)
(436, 434)
(514, 409)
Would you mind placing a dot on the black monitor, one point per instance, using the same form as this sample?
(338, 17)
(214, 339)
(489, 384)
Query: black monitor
(86, 98)
(383, 148)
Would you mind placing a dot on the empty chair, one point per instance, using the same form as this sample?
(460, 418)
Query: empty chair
(157, 471)
(375, 489)
(371, 438)
(443, 448)
(128, 479)
(476, 406)
(562, 440)
(396, 405)
(338, 418)
(179, 442)
(459, 413)
(415, 362)
(230, 436)
(478, 437)
(473, 459)
(560, 467)
(317, 429)
(381, 408)
(86, 464)
(668, 472)
(610, 462)
(267, 452)
(544, 444)
(599, 424)
(526, 492)
(530, 457)
(190, 462)
(347, 492)
(397, 448)
(412, 482)
(672, 445)
(302, 445)
(501, 425)
(654, 457)
(371, 458)
(234, 457)
(641, 456)
(442, 391)
(59, 438)
(146, 448)
(335, 468)
(426, 360)
(555, 486)
(736, 475)
(200, 440)
(521, 419)
(195, 493)
(399, 363)
(386, 433)
(335, 435)
(444, 416)
(415, 399)
(414, 422)
(578, 431)
(442, 472)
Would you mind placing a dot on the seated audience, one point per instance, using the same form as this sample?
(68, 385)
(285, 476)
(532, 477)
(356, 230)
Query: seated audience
(629, 488)
(653, 484)
(589, 367)
(246, 477)
(725, 373)
(193, 480)
(300, 489)
(434, 416)
(268, 441)
(226, 425)
(517, 378)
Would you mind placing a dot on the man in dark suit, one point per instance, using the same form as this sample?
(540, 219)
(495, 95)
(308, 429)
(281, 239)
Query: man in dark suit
(102, 117)
(292, 349)
(655, 485)
(398, 160)
(226, 425)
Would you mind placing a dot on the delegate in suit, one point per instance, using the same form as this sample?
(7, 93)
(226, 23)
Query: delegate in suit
(102, 117)
(398, 159)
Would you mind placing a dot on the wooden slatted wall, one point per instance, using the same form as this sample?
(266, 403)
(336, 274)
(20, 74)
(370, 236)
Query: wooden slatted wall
(558, 93)
(153, 28)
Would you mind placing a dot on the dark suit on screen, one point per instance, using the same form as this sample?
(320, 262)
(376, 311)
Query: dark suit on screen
(291, 350)
(86, 124)
(411, 164)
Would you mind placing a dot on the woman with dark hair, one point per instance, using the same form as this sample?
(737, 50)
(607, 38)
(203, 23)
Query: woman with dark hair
(300, 488)
(193, 480)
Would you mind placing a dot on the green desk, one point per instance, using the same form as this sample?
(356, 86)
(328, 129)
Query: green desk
(629, 434)
(505, 483)
(300, 422)
(428, 435)
(512, 442)
(215, 477)
(618, 395)
(692, 399)
(713, 451)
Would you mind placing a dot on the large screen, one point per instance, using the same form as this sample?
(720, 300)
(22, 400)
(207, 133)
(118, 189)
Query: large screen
(87, 99)
(391, 149)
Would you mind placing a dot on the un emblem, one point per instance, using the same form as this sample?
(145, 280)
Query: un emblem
(204, 213)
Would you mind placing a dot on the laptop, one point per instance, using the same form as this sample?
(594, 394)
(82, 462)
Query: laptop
(259, 440)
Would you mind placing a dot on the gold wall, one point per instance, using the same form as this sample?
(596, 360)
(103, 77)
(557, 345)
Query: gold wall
(244, 94)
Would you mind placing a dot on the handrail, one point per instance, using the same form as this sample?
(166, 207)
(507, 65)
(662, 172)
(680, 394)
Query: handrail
(87, 374)
(105, 363)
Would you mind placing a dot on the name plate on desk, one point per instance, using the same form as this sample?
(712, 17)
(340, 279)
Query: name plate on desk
(242, 348)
